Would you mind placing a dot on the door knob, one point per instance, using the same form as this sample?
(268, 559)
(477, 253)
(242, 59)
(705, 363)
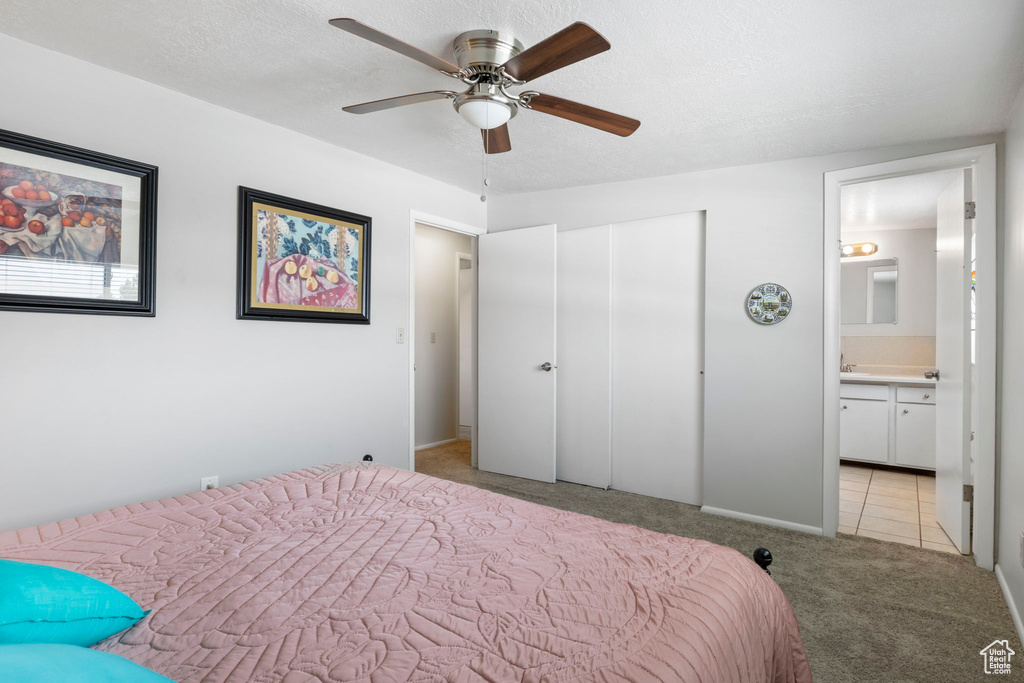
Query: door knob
(547, 367)
(932, 375)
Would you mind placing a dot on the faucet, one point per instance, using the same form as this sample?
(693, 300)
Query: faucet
(843, 366)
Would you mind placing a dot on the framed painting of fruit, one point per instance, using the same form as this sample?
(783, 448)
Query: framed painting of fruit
(77, 229)
(301, 261)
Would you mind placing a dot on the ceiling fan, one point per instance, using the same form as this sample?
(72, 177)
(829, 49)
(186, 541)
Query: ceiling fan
(491, 62)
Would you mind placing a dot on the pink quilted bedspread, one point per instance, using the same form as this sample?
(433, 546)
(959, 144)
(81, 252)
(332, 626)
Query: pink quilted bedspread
(372, 574)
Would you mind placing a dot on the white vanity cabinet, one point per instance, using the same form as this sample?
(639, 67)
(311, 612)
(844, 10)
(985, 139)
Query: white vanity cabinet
(887, 423)
(864, 430)
(915, 427)
(915, 435)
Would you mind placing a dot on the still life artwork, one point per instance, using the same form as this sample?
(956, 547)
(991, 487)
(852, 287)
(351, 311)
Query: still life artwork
(76, 229)
(300, 261)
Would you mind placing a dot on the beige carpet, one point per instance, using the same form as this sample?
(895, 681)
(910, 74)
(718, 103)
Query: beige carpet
(869, 610)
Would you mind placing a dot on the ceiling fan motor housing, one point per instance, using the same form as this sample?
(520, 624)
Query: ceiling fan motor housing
(483, 50)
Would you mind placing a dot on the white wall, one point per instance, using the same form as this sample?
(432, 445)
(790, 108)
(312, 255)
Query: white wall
(915, 249)
(1011, 431)
(104, 410)
(437, 368)
(764, 223)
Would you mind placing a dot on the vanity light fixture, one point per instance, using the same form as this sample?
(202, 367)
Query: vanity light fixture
(859, 249)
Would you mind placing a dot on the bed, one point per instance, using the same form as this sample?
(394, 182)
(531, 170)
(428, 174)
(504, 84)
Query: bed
(364, 573)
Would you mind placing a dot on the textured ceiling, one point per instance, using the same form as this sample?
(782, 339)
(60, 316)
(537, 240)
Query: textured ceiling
(904, 203)
(715, 82)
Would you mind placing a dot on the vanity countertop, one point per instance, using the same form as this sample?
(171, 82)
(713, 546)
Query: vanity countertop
(865, 378)
(886, 374)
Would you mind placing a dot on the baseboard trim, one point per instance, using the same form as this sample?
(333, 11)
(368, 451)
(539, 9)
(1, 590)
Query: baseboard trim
(436, 443)
(1017, 623)
(816, 530)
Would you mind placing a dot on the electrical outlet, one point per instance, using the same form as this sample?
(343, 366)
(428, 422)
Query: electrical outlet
(400, 336)
(208, 483)
(433, 337)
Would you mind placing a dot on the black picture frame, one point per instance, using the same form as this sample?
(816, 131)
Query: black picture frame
(147, 174)
(249, 200)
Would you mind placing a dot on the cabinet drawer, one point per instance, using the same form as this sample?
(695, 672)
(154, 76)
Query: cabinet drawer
(915, 395)
(915, 435)
(864, 430)
(871, 392)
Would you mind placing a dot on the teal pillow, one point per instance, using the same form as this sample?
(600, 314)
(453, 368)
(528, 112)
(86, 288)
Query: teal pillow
(41, 604)
(47, 663)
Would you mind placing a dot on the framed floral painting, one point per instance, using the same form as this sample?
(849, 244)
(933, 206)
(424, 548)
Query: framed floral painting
(301, 261)
(77, 229)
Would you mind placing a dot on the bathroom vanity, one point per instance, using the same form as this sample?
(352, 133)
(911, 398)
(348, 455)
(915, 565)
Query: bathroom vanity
(888, 420)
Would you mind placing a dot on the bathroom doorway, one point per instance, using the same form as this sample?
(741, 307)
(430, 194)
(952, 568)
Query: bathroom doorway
(887, 407)
(913, 351)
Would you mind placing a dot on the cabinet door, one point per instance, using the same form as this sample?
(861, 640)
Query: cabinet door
(864, 430)
(915, 435)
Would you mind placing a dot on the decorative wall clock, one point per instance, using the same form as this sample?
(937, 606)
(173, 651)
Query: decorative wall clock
(769, 304)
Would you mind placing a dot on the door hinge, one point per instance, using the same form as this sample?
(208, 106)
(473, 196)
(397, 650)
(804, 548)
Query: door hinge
(969, 210)
(968, 493)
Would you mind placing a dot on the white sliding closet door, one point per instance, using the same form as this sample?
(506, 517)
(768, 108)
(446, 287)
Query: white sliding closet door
(584, 356)
(658, 356)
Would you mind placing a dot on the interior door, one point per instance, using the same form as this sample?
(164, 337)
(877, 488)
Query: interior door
(953, 361)
(516, 367)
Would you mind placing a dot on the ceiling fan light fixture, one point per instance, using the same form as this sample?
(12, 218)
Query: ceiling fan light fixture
(485, 114)
(490, 62)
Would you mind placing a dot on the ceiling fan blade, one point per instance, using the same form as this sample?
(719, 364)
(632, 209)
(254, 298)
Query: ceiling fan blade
(392, 43)
(496, 140)
(582, 113)
(570, 45)
(400, 101)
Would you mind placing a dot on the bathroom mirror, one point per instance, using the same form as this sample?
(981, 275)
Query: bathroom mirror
(869, 290)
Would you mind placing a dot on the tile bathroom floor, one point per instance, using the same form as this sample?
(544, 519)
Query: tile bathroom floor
(890, 506)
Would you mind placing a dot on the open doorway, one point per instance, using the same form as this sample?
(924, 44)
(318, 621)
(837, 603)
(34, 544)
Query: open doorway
(466, 388)
(912, 352)
(889, 285)
(442, 337)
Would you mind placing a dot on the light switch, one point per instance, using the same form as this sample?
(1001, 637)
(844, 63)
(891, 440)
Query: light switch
(433, 337)
(400, 336)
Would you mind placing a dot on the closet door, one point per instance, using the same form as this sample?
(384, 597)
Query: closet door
(658, 356)
(584, 356)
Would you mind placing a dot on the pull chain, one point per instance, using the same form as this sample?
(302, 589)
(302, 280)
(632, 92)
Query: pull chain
(483, 187)
(487, 143)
